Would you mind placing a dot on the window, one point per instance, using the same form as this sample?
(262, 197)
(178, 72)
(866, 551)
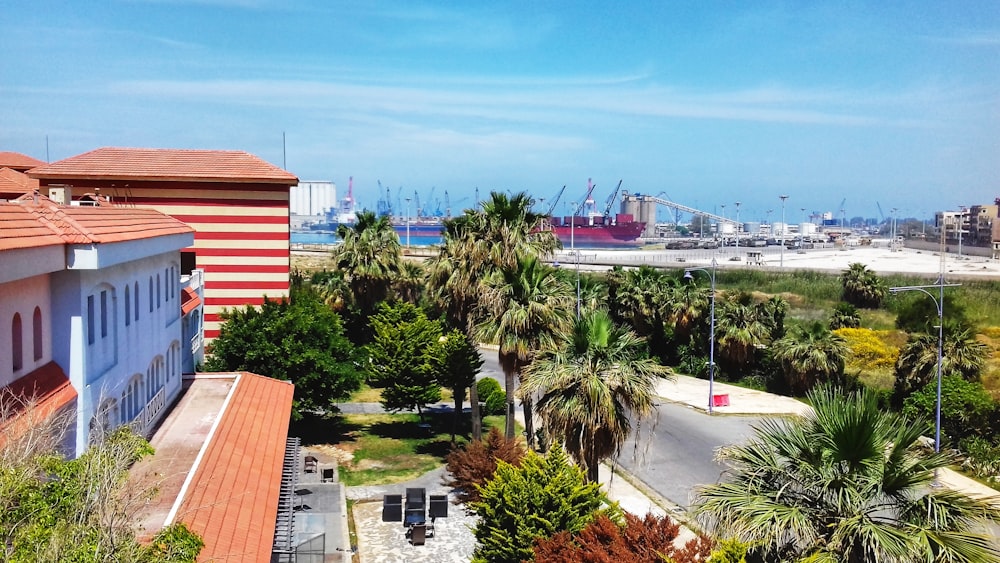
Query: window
(104, 314)
(90, 319)
(157, 291)
(166, 280)
(36, 329)
(16, 342)
(128, 307)
(136, 297)
(150, 294)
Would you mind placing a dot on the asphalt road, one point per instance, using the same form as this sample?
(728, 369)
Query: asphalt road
(677, 452)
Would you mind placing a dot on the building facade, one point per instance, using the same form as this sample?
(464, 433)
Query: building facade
(92, 294)
(237, 204)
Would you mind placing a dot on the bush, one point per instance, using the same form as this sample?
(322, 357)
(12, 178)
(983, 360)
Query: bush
(470, 466)
(982, 457)
(868, 350)
(543, 497)
(492, 396)
(966, 407)
(641, 540)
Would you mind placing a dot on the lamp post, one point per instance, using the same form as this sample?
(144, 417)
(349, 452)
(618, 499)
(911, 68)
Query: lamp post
(961, 228)
(407, 222)
(801, 234)
(572, 249)
(939, 304)
(711, 335)
(737, 229)
(784, 228)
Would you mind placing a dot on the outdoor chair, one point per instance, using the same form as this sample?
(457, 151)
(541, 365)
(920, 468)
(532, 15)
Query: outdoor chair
(416, 498)
(392, 508)
(310, 464)
(418, 534)
(438, 507)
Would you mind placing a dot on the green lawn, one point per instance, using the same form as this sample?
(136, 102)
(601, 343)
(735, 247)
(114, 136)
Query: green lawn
(386, 448)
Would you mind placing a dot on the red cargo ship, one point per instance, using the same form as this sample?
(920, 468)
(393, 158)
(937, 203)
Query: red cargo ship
(597, 231)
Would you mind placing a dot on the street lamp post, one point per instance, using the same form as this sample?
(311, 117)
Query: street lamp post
(737, 229)
(961, 228)
(711, 335)
(572, 249)
(939, 304)
(801, 234)
(784, 229)
(407, 222)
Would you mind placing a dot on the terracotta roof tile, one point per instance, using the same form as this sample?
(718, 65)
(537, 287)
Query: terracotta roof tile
(232, 502)
(29, 225)
(48, 388)
(112, 163)
(18, 161)
(189, 300)
(15, 183)
(20, 228)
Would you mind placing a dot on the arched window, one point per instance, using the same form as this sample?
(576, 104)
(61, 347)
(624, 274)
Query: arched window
(136, 300)
(166, 280)
(150, 294)
(36, 329)
(16, 342)
(157, 291)
(128, 307)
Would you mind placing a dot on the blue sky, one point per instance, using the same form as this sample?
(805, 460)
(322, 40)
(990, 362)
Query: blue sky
(709, 103)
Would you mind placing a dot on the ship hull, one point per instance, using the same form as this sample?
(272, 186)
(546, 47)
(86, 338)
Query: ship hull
(600, 236)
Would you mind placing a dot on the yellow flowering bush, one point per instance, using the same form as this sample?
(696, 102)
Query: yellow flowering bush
(869, 350)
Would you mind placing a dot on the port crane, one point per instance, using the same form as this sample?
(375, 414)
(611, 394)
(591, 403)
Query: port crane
(555, 200)
(611, 200)
(589, 198)
(384, 206)
(416, 201)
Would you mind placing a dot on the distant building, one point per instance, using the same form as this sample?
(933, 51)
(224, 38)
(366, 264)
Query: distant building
(980, 221)
(312, 198)
(90, 312)
(237, 203)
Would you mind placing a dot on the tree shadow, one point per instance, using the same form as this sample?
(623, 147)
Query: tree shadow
(315, 429)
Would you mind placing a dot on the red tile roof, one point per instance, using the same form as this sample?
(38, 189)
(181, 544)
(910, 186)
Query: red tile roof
(112, 163)
(232, 502)
(189, 300)
(18, 161)
(15, 183)
(47, 388)
(20, 228)
(28, 225)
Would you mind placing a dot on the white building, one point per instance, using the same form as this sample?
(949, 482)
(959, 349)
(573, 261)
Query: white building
(92, 296)
(312, 198)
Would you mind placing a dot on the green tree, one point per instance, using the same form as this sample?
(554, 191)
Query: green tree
(460, 362)
(844, 315)
(476, 244)
(962, 355)
(301, 341)
(849, 483)
(594, 388)
(809, 356)
(862, 287)
(404, 357)
(524, 310)
(740, 331)
(370, 257)
(542, 497)
(82, 510)
(966, 407)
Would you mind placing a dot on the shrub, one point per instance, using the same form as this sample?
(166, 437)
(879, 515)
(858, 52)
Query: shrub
(640, 540)
(868, 350)
(982, 457)
(542, 497)
(491, 395)
(966, 407)
(470, 466)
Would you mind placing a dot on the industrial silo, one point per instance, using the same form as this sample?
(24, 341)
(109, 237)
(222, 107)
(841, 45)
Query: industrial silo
(647, 214)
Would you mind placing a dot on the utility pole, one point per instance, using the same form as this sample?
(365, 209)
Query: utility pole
(784, 229)
(737, 229)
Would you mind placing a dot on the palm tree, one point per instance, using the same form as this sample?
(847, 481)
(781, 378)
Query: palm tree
(477, 244)
(844, 315)
(591, 388)
(862, 287)
(961, 354)
(849, 483)
(740, 331)
(370, 256)
(523, 310)
(809, 356)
